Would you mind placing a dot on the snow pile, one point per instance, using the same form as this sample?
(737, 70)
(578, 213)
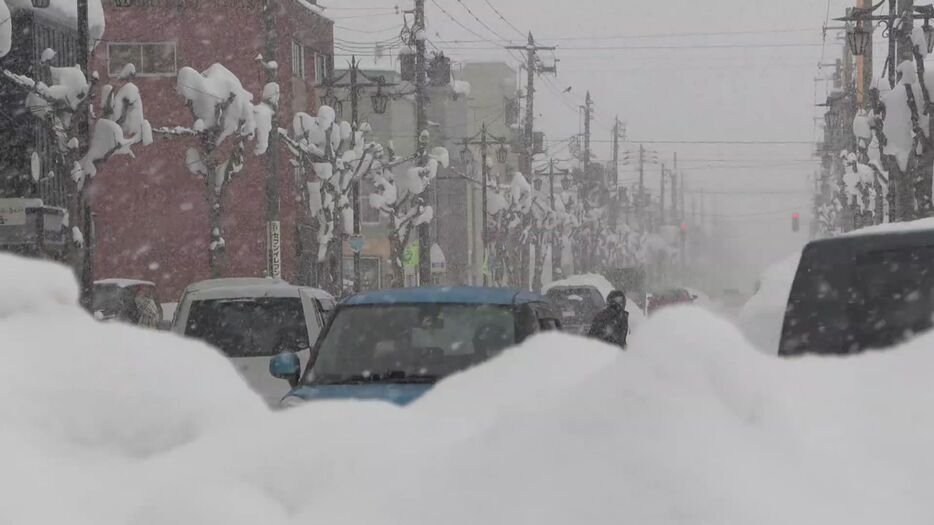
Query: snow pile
(688, 426)
(762, 316)
(28, 286)
(6, 29)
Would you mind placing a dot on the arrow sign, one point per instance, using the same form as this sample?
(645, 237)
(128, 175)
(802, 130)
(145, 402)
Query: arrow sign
(357, 243)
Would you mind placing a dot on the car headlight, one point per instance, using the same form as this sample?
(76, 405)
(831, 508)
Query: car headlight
(291, 402)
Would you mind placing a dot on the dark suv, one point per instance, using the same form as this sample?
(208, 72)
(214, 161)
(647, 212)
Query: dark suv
(860, 292)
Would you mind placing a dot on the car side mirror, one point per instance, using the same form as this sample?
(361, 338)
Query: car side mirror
(286, 366)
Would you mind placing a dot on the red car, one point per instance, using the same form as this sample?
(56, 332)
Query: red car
(672, 297)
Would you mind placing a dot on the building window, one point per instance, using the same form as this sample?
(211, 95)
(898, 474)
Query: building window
(323, 65)
(298, 59)
(150, 59)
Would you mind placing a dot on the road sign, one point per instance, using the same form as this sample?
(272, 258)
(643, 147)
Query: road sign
(357, 243)
(410, 257)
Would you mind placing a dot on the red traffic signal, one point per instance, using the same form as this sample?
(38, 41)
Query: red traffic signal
(796, 222)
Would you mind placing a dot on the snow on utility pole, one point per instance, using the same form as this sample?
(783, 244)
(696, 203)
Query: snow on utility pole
(273, 222)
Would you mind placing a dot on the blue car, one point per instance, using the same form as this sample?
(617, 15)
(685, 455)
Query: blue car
(394, 345)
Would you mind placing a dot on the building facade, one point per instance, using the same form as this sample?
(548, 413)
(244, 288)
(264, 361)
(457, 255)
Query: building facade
(150, 212)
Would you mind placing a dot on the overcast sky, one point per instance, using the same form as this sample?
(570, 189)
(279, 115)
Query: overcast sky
(678, 70)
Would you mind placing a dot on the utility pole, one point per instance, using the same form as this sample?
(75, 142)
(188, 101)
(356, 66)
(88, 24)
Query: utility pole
(532, 66)
(674, 191)
(484, 169)
(640, 202)
(864, 68)
(421, 126)
(616, 134)
(551, 189)
(273, 223)
(81, 197)
(585, 180)
(482, 139)
(355, 189)
(661, 200)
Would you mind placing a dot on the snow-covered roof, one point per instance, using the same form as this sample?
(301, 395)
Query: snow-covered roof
(590, 279)
(248, 287)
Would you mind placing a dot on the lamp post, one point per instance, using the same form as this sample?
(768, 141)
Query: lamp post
(895, 27)
(380, 103)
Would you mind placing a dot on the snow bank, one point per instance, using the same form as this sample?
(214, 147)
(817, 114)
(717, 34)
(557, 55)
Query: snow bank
(28, 286)
(688, 426)
(762, 316)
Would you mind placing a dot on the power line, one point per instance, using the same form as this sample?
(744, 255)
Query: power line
(481, 22)
(503, 18)
(655, 35)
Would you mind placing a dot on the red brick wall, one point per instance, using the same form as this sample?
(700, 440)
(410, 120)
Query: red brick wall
(151, 213)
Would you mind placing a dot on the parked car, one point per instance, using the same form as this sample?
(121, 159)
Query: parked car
(115, 299)
(669, 297)
(577, 305)
(250, 320)
(860, 292)
(394, 345)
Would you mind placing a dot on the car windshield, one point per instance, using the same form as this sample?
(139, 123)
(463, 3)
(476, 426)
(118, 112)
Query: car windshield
(249, 327)
(110, 299)
(395, 343)
(577, 305)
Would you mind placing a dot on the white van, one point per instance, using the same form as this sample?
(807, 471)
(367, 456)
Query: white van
(251, 320)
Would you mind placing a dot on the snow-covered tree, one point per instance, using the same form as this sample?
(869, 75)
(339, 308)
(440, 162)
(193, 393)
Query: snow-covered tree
(401, 196)
(224, 120)
(340, 158)
(60, 97)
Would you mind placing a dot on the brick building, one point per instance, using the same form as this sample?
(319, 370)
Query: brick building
(151, 216)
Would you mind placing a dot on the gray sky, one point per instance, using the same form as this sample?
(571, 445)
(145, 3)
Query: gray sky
(687, 70)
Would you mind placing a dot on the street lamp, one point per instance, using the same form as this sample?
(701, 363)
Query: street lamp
(380, 101)
(929, 34)
(466, 156)
(502, 154)
(859, 39)
(330, 99)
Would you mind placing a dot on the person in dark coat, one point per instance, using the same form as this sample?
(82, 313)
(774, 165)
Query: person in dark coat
(612, 324)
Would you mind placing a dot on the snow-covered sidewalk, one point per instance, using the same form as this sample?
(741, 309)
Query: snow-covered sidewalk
(106, 424)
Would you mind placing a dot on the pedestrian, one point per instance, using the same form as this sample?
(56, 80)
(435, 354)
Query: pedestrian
(147, 313)
(612, 324)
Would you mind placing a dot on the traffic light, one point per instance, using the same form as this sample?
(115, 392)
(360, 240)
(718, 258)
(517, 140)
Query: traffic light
(796, 222)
